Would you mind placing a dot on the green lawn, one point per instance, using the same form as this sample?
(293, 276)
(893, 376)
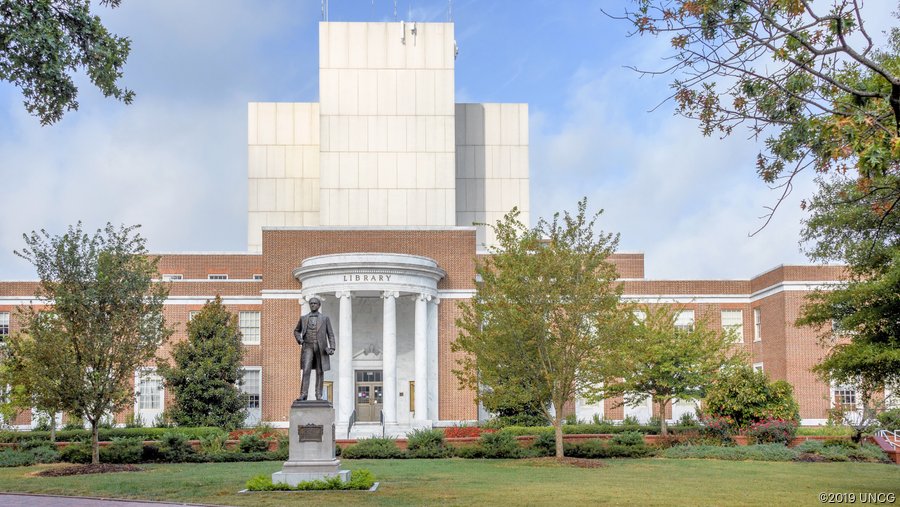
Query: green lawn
(486, 482)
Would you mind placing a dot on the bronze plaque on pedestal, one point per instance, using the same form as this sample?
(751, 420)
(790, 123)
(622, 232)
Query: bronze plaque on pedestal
(310, 433)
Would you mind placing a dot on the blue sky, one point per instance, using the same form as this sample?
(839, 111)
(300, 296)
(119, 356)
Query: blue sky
(175, 161)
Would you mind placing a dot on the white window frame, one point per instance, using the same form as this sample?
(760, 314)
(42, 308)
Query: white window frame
(148, 374)
(168, 277)
(837, 388)
(757, 325)
(192, 314)
(4, 325)
(257, 276)
(737, 328)
(257, 369)
(758, 367)
(217, 276)
(685, 320)
(245, 339)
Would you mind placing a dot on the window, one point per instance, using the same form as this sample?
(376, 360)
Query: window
(217, 277)
(733, 322)
(640, 315)
(192, 314)
(251, 386)
(844, 397)
(412, 395)
(685, 320)
(249, 324)
(4, 325)
(329, 390)
(757, 325)
(757, 367)
(257, 277)
(149, 387)
(170, 277)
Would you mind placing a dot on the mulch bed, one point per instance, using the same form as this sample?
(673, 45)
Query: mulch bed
(809, 457)
(565, 461)
(102, 468)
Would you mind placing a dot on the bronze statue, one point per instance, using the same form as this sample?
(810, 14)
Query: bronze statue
(316, 339)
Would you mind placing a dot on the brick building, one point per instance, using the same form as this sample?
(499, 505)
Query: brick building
(366, 199)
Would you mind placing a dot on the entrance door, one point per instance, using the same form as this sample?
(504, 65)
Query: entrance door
(368, 395)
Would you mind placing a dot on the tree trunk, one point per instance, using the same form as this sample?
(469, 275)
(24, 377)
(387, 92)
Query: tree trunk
(95, 441)
(557, 423)
(663, 429)
(53, 427)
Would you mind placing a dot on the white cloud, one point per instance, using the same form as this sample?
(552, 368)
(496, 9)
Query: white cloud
(174, 161)
(687, 201)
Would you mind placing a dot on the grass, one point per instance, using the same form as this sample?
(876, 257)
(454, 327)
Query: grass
(486, 482)
(824, 431)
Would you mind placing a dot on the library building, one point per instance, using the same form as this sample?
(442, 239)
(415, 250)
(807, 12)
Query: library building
(366, 200)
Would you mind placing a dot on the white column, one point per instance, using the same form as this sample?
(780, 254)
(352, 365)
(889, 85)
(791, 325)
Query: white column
(432, 368)
(389, 353)
(421, 358)
(344, 396)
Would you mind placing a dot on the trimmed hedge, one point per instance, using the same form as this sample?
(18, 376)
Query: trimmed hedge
(374, 448)
(841, 450)
(359, 480)
(761, 452)
(812, 450)
(107, 434)
(590, 429)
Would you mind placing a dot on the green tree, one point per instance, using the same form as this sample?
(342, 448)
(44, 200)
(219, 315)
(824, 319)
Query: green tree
(205, 377)
(103, 319)
(42, 44)
(544, 316)
(809, 78)
(35, 371)
(666, 362)
(859, 321)
(749, 396)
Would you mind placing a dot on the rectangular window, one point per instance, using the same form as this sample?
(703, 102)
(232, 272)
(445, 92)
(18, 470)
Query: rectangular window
(757, 367)
(733, 322)
(844, 397)
(257, 277)
(249, 323)
(685, 320)
(192, 314)
(4, 325)
(170, 277)
(217, 277)
(329, 390)
(412, 395)
(149, 391)
(757, 325)
(251, 386)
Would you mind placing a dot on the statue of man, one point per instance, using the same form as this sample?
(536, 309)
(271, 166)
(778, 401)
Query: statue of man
(316, 339)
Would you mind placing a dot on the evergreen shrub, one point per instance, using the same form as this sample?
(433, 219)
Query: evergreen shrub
(373, 448)
(427, 443)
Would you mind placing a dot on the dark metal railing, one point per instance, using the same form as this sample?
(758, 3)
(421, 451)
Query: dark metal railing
(352, 422)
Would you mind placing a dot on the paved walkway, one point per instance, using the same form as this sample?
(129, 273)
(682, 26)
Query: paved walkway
(14, 500)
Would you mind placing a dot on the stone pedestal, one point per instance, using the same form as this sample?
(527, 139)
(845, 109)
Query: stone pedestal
(311, 436)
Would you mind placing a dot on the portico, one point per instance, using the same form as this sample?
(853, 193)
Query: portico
(386, 307)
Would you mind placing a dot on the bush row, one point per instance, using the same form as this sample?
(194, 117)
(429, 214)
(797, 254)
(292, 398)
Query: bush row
(813, 450)
(431, 444)
(172, 447)
(591, 429)
(359, 479)
(106, 434)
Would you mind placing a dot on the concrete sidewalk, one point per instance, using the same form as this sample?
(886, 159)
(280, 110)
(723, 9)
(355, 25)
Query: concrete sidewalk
(20, 500)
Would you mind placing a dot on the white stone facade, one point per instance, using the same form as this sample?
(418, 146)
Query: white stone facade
(386, 145)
